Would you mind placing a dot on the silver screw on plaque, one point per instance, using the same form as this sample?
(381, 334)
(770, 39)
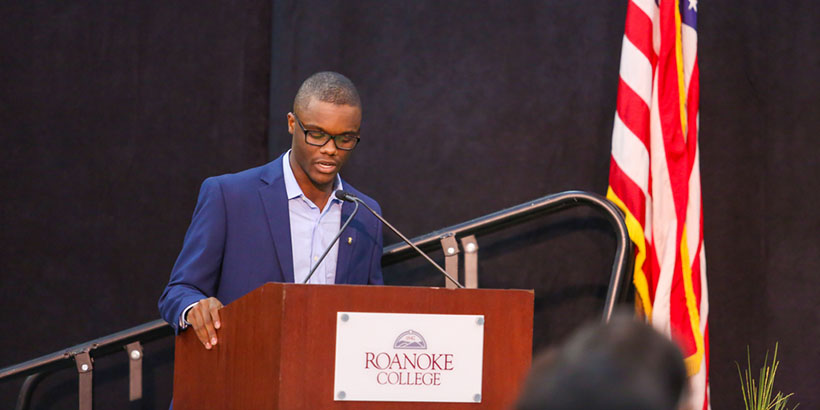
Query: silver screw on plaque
(470, 248)
(345, 317)
(85, 369)
(135, 354)
(477, 398)
(451, 250)
(479, 321)
(341, 395)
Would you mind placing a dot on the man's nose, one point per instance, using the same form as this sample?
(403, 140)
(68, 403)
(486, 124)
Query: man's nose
(329, 148)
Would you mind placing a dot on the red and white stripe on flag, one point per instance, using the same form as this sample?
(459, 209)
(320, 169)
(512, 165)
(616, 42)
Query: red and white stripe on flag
(655, 176)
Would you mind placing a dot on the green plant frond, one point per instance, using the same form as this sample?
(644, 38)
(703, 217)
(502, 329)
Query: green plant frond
(742, 386)
(757, 394)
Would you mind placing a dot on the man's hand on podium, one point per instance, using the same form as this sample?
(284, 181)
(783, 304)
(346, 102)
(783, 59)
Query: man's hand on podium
(204, 317)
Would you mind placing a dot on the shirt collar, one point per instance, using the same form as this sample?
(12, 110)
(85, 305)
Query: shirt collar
(292, 187)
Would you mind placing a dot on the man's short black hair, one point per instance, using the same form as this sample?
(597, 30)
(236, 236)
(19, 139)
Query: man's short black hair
(327, 86)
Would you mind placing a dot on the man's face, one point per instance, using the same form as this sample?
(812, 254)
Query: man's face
(318, 166)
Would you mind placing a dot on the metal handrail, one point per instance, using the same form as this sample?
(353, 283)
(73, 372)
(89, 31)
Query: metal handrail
(103, 346)
(526, 211)
(38, 368)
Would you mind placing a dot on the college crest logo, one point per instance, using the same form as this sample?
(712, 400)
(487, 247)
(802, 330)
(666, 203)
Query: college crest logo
(410, 339)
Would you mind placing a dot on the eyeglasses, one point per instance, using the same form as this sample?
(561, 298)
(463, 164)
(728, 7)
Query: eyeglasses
(344, 142)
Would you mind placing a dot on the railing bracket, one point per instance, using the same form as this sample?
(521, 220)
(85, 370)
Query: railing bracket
(85, 368)
(134, 370)
(451, 251)
(470, 245)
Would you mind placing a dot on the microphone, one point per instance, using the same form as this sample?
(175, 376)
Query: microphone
(333, 242)
(347, 196)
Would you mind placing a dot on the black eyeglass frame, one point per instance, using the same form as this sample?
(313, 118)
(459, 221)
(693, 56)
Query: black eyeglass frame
(326, 137)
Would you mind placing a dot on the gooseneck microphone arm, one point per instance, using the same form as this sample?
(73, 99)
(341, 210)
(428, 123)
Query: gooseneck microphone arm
(321, 258)
(347, 196)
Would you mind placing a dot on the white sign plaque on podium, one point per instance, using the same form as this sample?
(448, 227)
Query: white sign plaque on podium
(408, 357)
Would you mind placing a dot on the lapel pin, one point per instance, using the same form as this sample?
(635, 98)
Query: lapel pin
(349, 240)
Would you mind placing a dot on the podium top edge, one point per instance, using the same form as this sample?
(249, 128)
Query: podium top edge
(434, 288)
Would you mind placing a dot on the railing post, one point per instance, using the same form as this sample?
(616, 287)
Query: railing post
(470, 245)
(134, 370)
(451, 251)
(85, 368)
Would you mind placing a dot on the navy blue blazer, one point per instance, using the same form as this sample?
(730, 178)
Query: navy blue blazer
(239, 239)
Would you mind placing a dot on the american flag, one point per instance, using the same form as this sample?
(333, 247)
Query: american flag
(654, 176)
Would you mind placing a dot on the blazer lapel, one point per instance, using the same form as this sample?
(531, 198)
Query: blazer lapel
(275, 201)
(346, 243)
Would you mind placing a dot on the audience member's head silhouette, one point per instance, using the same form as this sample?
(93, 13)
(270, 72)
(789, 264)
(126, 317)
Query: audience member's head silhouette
(622, 365)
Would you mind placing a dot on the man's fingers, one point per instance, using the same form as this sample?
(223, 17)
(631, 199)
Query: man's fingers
(214, 312)
(195, 318)
(205, 316)
(209, 327)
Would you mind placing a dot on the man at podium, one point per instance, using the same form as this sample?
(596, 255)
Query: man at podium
(272, 223)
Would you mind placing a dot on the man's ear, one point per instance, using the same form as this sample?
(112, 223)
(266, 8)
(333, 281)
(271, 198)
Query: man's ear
(291, 123)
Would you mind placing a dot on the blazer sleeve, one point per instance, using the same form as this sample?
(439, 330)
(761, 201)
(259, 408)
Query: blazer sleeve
(196, 272)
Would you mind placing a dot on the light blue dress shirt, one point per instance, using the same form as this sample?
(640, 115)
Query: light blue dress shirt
(312, 229)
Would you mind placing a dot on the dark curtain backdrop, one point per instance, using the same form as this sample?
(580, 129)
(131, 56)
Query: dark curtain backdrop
(112, 114)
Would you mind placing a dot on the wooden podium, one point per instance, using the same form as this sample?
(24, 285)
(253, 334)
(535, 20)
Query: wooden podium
(277, 344)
